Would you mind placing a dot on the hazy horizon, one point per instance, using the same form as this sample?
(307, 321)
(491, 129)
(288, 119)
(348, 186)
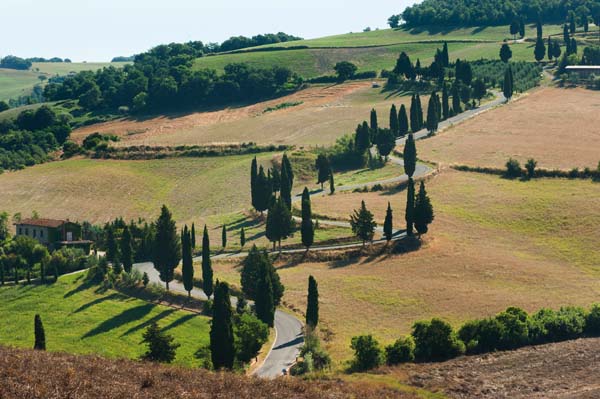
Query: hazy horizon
(93, 30)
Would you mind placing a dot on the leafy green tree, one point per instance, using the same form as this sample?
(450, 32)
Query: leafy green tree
(402, 122)
(345, 70)
(307, 227)
(187, 267)
(540, 49)
(507, 85)
(242, 238)
(394, 126)
(312, 303)
(167, 248)
(410, 207)
(161, 346)
(432, 114)
(251, 272)
(40, 335)
(513, 169)
(362, 139)
(394, 21)
(323, 169)
(423, 213)
(250, 335)
(505, 53)
(515, 26)
(207, 271)
(224, 237)
(479, 90)
(522, 27)
(4, 229)
(410, 156)
(405, 67)
(386, 141)
(367, 353)
(279, 222)
(222, 338)
(388, 229)
(363, 224)
(530, 167)
(264, 304)
(126, 250)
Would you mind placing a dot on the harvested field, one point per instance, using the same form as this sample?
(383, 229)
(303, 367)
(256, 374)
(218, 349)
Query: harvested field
(560, 128)
(326, 113)
(29, 374)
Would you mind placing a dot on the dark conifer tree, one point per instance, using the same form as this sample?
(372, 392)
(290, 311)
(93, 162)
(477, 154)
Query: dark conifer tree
(40, 335)
(363, 224)
(285, 163)
(167, 248)
(253, 179)
(414, 115)
(161, 347)
(456, 107)
(505, 53)
(514, 28)
(423, 215)
(385, 142)
(566, 35)
(539, 28)
(394, 127)
(362, 138)
(286, 188)
(276, 179)
(279, 222)
(224, 237)
(445, 103)
(187, 267)
(331, 182)
(420, 111)
(242, 238)
(251, 272)
(207, 271)
(550, 49)
(445, 56)
(374, 126)
(126, 250)
(410, 156)
(410, 207)
(222, 339)
(507, 86)
(264, 305)
(307, 227)
(540, 49)
(388, 228)
(418, 68)
(432, 114)
(402, 122)
(572, 23)
(112, 249)
(193, 236)
(263, 191)
(522, 27)
(405, 67)
(312, 303)
(573, 46)
(323, 168)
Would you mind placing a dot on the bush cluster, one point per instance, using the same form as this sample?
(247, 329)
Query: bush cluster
(526, 75)
(336, 79)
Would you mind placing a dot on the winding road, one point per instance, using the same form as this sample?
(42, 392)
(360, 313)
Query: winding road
(288, 328)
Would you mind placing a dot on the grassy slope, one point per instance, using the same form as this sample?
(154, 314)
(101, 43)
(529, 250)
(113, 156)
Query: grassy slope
(82, 319)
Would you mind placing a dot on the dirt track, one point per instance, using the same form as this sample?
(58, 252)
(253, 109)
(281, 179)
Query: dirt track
(563, 370)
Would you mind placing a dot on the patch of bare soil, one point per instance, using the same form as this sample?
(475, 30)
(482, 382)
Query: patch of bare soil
(563, 370)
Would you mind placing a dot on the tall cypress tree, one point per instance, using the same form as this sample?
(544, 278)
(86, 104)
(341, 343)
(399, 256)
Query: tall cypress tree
(222, 339)
(193, 236)
(410, 207)
(456, 107)
(402, 122)
(445, 103)
(331, 182)
(419, 111)
(285, 163)
(550, 49)
(507, 86)
(112, 248)
(423, 215)
(414, 115)
(410, 156)
(251, 274)
(264, 305)
(242, 238)
(187, 267)
(323, 168)
(207, 271)
(307, 228)
(40, 335)
(167, 248)
(286, 189)
(224, 237)
(263, 191)
(445, 56)
(312, 303)
(539, 28)
(394, 127)
(362, 138)
(540, 49)
(432, 114)
(388, 228)
(253, 178)
(374, 126)
(126, 250)
(276, 179)
(279, 222)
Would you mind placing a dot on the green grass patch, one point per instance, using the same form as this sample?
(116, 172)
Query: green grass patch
(79, 318)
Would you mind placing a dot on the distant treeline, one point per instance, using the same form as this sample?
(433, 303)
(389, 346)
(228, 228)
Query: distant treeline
(164, 78)
(495, 12)
(23, 64)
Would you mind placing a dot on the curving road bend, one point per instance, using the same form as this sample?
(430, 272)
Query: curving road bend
(289, 329)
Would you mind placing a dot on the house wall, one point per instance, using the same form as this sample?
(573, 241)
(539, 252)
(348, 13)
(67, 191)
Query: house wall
(42, 234)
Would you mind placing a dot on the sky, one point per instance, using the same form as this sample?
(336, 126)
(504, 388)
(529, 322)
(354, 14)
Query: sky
(98, 30)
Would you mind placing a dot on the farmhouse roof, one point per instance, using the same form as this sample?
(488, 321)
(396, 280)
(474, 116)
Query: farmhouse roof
(54, 223)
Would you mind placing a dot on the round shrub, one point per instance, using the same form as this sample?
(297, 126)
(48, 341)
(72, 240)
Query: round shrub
(592, 322)
(436, 340)
(401, 351)
(367, 353)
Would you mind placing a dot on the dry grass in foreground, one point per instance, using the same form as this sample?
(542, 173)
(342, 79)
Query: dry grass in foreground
(27, 374)
(560, 128)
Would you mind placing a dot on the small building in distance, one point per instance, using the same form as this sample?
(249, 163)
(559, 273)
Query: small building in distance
(54, 233)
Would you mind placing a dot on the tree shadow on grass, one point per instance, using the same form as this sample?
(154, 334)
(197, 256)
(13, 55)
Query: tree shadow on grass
(180, 321)
(123, 318)
(111, 297)
(80, 288)
(151, 320)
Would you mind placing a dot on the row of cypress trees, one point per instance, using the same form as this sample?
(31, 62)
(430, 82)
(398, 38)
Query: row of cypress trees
(419, 211)
(264, 186)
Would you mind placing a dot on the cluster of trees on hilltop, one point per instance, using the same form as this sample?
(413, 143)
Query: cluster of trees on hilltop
(53, 59)
(494, 12)
(239, 42)
(164, 78)
(12, 62)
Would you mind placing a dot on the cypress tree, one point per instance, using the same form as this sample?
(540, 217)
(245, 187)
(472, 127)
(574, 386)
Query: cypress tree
(286, 189)
(445, 103)
(505, 53)
(276, 179)
(432, 114)
(331, 182)
(242, 238)
(456, 107)
(573, 46)
(423, 215)
(251, 274)
(414, 118)
(566, 35)
(540, 49)
(507, 86)
(362, 139)
(264, 305)
(388, 229)
(222, 339)
(187, 267)
(193, 236)
(126, 250)
(167, 249)
(410, 207)
(253, 179)
(363, 224)
(550, 49)
(312, 303)
(374, 126)
(572, 24)
(40, 335)
(323, 168)
(263, 191)
(112, 249)
(161, 347)
(410, 156)
(285, 163)
(207, 271)
(522, 27)
(224, 237)
(445, 56)
(556, 50)
(394, 127)
(385, 142)
(539, 29)
(419, 111)
(307, 228)
(279, 222)
(402, 122)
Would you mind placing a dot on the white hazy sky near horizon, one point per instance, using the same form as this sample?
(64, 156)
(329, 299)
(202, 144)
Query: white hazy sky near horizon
(97, 30)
